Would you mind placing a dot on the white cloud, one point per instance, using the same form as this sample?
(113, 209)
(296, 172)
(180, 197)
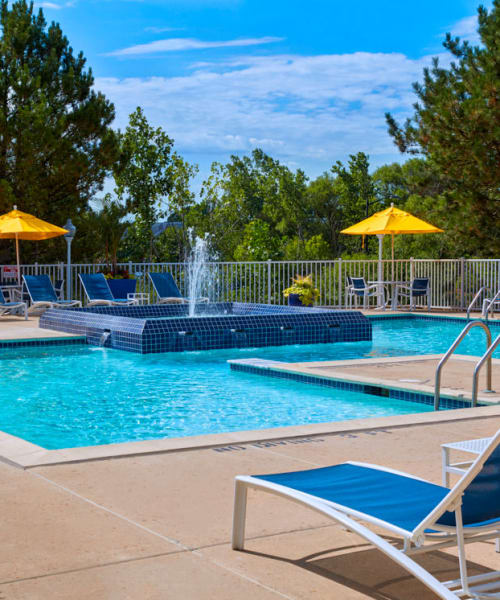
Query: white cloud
(177, 44)
(305, 110)
(162, 29)
(48, 5)
(466, 28)
(53, 5)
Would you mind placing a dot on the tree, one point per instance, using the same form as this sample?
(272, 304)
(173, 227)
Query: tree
(457, 126)
(233, 196)
(357, 198)
(144, 176)
(259, 243)
(323, 196)
(56, 144)
(101, 232)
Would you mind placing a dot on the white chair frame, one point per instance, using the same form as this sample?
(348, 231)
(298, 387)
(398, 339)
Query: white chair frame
(415, 542)
(379, 291)
(489, 304)
(13, 308)
(406, 292)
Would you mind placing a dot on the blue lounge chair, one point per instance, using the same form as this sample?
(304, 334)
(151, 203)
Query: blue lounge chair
(167, 290)
(10, 308)
(426, 516)
(42, 293)
(98, 293)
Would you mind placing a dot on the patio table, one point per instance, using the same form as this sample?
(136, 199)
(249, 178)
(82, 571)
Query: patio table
(475, 447)
(393, 285)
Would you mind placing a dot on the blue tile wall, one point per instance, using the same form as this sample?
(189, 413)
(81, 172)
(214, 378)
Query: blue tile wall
(167, 328)
(41, 342)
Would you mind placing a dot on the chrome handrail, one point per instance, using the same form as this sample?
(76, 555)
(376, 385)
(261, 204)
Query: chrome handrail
(451, 350)
(485, 288)
(475, 378)
(491, 304)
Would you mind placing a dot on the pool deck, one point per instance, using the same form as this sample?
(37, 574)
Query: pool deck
(16, 328)
(158, 527)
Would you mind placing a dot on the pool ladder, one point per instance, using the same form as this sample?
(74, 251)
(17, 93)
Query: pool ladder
(486, 358)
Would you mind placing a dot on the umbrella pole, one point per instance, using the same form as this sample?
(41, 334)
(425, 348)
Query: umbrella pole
(380, 270)
(392, 252)
(18, 262)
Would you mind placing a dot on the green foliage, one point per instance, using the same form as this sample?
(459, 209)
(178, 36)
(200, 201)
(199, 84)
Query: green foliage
(457, 126)
(56, 144)
(315, 248)
(144, 176)
(357, 197)
(259, 243)
(100, 232)
(304, 287)
(151, 180)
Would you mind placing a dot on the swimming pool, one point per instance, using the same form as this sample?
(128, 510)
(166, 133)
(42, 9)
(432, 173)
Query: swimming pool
(68, 396)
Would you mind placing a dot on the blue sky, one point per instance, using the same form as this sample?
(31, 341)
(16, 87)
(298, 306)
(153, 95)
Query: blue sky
(307, 82)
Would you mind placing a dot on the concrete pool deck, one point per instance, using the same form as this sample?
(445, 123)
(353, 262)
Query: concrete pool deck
(16, 328)
(158, 527)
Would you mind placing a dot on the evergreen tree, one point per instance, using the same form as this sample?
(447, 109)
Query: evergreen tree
(55, 141)
(457, 125)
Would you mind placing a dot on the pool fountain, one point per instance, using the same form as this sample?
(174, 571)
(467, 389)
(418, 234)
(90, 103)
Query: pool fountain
(202, 325)
(199, 276)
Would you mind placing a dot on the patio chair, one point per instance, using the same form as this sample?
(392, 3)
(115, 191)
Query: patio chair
(419, 288)
(10, 308)
(426, 516)
(360, 289)
(42, 293)
(349, 292)
(167, 290)
(489, 304)
(98, 292)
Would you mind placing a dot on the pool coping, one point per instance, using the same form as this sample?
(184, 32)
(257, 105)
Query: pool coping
(25, 455)
(267, 367)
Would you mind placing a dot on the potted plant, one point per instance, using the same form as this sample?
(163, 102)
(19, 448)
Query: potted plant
(302, 292)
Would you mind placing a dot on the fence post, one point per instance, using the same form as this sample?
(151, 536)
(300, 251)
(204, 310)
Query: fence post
(412, 269)
(269, 281)
(339, 271)
(462, 283)
(36, 268)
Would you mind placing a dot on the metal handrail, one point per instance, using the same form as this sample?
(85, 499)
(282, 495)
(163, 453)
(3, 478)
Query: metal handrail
(485, 288)
(491, 304)
(475, 378)
(451, 350)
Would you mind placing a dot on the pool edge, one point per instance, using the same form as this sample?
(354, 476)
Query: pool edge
(25, 455)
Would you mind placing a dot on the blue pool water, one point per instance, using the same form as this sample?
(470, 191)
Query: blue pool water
(69, 396)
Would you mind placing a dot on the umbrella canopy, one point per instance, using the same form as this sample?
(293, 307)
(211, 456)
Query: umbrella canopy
(391, 221)
(19, 225)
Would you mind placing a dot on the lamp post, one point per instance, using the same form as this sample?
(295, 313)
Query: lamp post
(69, 238)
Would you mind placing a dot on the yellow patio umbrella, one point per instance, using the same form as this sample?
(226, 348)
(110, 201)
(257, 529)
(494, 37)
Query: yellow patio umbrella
(390, 221)
(19, 225)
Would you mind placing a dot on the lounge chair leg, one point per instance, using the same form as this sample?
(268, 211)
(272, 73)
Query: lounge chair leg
(461, 550)
(239, 515)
